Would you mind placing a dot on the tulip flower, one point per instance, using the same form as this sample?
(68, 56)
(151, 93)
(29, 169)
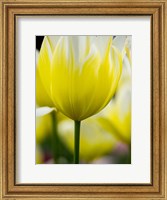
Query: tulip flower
(43, 123)
(83, 79)
(81, 75)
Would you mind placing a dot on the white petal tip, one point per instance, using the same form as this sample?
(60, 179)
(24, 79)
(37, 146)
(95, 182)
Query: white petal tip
(43, 111)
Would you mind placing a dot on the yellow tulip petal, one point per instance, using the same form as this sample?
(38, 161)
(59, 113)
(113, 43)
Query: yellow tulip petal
(119, 42)
(86, 81)
(43, 65)
(53, 40)
(108, 78)
(101, 42)
(63, 76)
(42, 97)
(81, 48)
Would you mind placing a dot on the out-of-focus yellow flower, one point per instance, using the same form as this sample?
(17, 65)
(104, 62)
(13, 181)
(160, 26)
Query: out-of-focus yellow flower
(120, 115)
(42, 96)
(43, 126)
(116, 117)
(83, 77)
(94, 141)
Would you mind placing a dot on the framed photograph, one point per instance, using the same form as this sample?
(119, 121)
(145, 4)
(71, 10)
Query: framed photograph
(83, 99)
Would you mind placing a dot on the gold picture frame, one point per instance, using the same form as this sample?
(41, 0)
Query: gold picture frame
(158, 11)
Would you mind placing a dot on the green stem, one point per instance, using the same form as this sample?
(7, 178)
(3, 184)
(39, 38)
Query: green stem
(55, 138)
(76, 141)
